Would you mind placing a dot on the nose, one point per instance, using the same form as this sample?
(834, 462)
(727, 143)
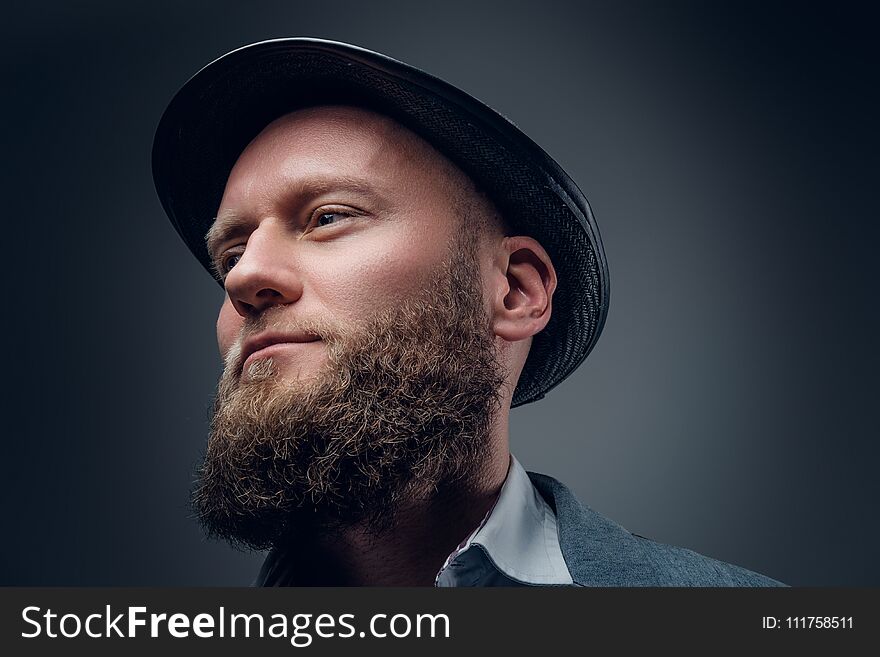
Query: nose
(265, 274)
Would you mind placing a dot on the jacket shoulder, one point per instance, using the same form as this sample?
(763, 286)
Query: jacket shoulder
(678, 566)
(599, 552)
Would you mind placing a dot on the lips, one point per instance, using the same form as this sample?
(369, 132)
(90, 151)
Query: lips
(263, 340)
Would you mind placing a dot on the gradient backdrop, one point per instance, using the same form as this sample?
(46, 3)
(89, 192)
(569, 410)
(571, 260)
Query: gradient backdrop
(730, 154)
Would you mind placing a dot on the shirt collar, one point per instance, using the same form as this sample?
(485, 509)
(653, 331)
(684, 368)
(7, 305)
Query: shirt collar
(517, 543)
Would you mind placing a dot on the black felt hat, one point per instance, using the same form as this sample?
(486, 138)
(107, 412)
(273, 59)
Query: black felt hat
(225, 105)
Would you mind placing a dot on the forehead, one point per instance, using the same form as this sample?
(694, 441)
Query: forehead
(338, 142)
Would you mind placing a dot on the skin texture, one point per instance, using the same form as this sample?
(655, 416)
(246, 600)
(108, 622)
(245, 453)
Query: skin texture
(334, 216)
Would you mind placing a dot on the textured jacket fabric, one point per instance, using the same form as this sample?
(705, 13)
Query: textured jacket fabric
(599, 552)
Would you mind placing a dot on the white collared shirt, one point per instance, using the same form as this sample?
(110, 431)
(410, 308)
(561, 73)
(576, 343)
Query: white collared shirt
(517, 543)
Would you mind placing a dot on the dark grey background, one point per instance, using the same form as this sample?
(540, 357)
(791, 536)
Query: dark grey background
(729, 153)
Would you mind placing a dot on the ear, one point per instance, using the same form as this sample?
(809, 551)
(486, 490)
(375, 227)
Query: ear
(522, 306)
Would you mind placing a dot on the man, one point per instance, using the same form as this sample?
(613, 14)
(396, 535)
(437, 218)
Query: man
(402, 266)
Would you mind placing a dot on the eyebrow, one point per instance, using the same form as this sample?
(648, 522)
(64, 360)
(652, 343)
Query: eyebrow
(230, 224)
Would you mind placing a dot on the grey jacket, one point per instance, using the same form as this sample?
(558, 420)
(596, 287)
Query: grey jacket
(599, 552)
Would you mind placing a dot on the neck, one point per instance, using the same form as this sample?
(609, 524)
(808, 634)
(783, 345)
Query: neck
(414, 549)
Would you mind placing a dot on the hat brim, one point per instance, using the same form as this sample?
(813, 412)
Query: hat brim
(226, 104)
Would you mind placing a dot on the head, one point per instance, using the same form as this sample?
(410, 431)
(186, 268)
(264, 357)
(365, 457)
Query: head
(377, 317)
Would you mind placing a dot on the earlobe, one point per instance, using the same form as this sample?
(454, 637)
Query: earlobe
(524, 307)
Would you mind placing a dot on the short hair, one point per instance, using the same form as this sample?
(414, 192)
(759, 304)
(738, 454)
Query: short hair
(477, 212)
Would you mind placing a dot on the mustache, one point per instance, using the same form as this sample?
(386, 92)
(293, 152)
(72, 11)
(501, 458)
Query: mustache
(279, 319)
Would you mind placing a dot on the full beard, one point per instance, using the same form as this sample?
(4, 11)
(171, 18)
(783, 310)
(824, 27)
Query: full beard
(402, 409)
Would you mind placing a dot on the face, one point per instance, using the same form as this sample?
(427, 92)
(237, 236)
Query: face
(380, 380)
(329, 216)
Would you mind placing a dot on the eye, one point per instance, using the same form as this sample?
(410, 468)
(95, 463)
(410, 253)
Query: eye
(330, 215)
(228, 262)
(327, 218)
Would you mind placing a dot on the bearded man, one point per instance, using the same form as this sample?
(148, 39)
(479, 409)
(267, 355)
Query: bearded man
(402, 266)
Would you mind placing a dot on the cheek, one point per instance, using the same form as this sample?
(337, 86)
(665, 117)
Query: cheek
(376, 279)
(228, 326)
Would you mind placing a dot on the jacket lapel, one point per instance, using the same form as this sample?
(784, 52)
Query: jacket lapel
(597, 551)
